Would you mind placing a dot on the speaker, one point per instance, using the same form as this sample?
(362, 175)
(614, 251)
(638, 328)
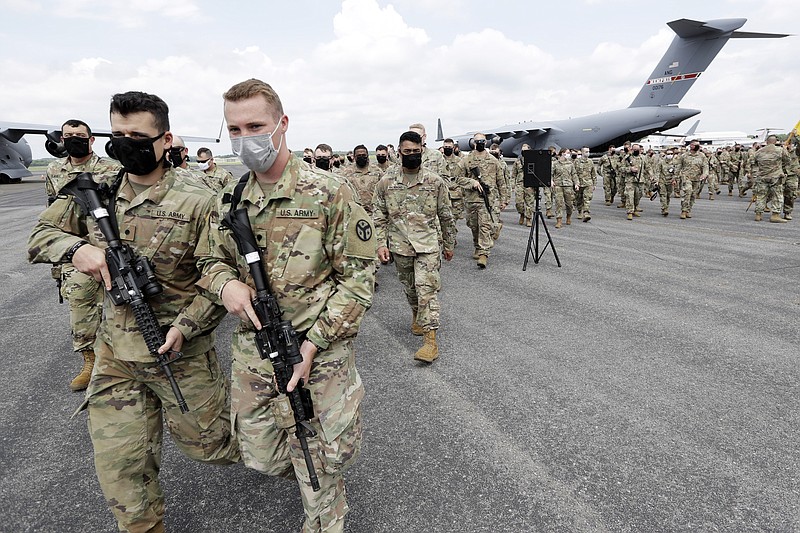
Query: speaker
(537, 168)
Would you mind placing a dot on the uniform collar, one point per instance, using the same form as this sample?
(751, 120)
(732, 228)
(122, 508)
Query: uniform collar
(284, 188)
(155, 193)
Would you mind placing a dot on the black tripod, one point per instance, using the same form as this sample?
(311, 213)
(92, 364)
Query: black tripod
(534, 237)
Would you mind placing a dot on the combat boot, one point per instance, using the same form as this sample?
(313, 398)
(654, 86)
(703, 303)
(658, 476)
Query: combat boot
(580, 216)
(730, 193)
(637, 213)
(775, 217)
(787, 216)
(81, 381)
(477, 254)
(482, 260)
(710, 196)
(608, 202)
(415, 328)
(558, 222)
(758, 217)
(521, 219)
(549, 213)
(683, 214)
(621, 206)
(688, 214)
(430, 350)
(569, 220)
(664, 212)
(630, 216)
(587, 217)
(528, 222)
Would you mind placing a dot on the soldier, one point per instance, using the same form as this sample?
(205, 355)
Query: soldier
(433, 160)
(791, 185)
(745, 177)
(724, 157)
(161, 213)
(82, 292)
(382, 157)
(408, 202)
(308, 156)
(495, 151)
(692, 167)
(565, 183)
(587, 178)
(622, 175)
(323, 156)
(665, 174)
(770, 166)
(548, 191)
(734, 168)
(635, 170)
(714, 171)
(452, 170)
(318, 253)
(363, 176)
(392, 153)
(479, 219)
(336, 163)
(608, 170)
(524, 196)
(216, 177)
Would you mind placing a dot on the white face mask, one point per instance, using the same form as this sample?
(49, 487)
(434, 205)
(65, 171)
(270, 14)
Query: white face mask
(204, 165)
(257, 152)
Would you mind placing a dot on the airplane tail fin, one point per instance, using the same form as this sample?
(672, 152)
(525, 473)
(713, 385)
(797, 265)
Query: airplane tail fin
(693, 129)
(439, 134)
(694, 47)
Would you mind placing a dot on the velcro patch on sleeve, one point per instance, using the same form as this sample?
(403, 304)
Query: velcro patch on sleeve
(359, 235)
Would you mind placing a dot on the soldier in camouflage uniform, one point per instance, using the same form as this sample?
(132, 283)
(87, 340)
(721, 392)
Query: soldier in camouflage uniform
(790, 186)
(452, 171)
(382, 157)
(745, 177)
(565, 183)
(724, 157)
(408, 200)
(622, 174)
(81, 291)
(525, 197)
(587, 178)
(478, 218)
(161, 213)
(714, 171)
(636, 171)
(770, 166)
(666, 175)
(692, 167)
(506, 176)
(318, 252)
(363, 176)
(432, 160)
(216, 177)
(608, 169)
(734, 168)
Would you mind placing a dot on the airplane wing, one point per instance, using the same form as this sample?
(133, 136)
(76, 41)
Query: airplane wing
(13, 131)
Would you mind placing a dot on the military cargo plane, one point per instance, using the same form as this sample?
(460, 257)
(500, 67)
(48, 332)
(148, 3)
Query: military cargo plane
(15, 152)
(654, 109)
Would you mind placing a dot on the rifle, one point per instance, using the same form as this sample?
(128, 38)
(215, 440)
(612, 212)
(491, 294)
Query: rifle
(277, 338)
(752, 199)
(55, 268)
(654, 191)
(476, 173)
(132, 277)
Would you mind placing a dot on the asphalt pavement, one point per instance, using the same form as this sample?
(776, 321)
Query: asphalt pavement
(649, 384)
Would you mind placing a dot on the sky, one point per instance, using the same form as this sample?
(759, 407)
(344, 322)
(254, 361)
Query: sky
(361, 71)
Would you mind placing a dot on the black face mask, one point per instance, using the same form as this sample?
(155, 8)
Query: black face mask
(362, 160)
(636, 152)
(77, 146)
(574, 156)
(412, 161)
(323, 163)
(695, 148)
(176, 156)
(480, 146)
(138, 156)
(350, 158)
(308, 159)
(381, 159)
(337, 163)
(448, 151)
(737, 149)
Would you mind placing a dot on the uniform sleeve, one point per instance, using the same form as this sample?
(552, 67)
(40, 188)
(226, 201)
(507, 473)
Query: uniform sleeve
(380, 214)
(58, 229)
(502, 183)
(446, 220)
(351, 247)
(215, 260)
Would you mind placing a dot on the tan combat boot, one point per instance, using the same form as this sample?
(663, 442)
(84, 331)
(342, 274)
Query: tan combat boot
(569, 220)
(683, 214)
(630, 216)
(529, 222)
(477, 254)
(415, 328)
(787, 216)
(758, 217)
(558, 222)
(521, 219)
(482, 260)
(587, 217)
(430, 350)
(775, 217)
(549, 213)
(688, 214)
(81, 381)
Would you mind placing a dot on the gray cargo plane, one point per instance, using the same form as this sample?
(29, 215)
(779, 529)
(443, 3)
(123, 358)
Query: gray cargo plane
(654, 109)
(15, 152)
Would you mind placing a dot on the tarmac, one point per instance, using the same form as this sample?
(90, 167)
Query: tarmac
(649, 384)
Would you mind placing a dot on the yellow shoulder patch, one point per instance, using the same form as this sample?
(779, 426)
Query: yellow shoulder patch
(359, 234)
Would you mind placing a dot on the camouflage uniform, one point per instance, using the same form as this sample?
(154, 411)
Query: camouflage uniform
(745, 175)
(714, 170)
(319, 250)
(725, 167)
(734, 168)
(772, 164)
(478, 218)
(587, 178)
(564, 180)
(363, 181)
(525, 197)
(450, 175)
(433, 160)
(634, 181)
(621, 178)
(217, 178)
(692, 167)
(608, 169)
(666, 175)
(128, 394)
(790, 186)
(406, 208)
(82, 292)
